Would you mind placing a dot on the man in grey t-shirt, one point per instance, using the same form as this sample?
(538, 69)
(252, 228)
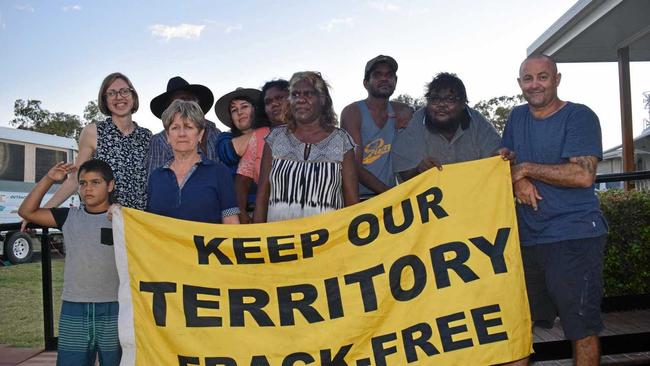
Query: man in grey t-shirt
(445, 131)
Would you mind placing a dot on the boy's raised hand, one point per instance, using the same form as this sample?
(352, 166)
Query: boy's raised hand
(61, 170)
(30, 209)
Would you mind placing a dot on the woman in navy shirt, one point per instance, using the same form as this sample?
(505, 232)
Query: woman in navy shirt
(189, 186)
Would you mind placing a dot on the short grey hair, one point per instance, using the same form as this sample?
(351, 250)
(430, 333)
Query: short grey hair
(185, 110)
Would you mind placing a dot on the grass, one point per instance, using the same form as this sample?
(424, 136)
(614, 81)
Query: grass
(21, 303)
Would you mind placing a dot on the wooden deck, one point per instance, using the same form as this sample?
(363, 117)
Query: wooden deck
(623, 322)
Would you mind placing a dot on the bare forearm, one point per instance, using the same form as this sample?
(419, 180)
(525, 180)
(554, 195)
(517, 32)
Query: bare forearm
(32, 202)
(371, 181)
(577, 173)
(262, 202)
(263, 187)
(242, 187)
(261, 207)
(350, 180)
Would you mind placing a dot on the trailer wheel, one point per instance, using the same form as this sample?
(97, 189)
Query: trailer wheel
(19, 248)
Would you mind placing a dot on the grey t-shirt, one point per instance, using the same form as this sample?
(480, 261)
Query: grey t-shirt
(89, 274)
(477, 140)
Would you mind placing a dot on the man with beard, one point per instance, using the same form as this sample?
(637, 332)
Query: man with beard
(445, 131)
(373, 124)
(563, 232)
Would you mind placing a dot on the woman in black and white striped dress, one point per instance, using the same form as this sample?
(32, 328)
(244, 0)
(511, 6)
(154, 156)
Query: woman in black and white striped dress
(308, 165)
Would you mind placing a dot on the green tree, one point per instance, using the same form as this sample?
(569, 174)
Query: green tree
(415, 103)
(92, 113)
(29, 115)
(497, 109)
(62, 124)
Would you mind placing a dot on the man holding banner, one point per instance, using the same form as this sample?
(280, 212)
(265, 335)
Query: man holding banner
(563, 232)
(445, 131)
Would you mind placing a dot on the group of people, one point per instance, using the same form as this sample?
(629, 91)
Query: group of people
(284, 158)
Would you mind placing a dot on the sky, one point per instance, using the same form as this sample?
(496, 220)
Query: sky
(58, 52)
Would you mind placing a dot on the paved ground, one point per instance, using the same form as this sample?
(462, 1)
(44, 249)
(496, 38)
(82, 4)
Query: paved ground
(14, 356)
(42, 359)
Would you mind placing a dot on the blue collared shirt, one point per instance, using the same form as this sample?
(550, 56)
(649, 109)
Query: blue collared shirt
(206, 194)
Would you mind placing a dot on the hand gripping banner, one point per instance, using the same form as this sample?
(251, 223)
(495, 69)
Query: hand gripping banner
(427, 273)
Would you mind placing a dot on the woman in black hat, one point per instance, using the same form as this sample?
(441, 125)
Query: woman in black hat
(237, 110)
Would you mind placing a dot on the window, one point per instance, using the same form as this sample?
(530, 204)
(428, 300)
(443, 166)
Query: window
(45, 159)
(12, 161)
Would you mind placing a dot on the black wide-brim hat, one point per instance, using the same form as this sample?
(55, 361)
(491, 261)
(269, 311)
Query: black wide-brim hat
(222, 107)
(175, 84)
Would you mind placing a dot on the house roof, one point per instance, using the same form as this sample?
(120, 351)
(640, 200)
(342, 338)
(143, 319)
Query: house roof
(643, 135)
(618, 153)
(594, 30)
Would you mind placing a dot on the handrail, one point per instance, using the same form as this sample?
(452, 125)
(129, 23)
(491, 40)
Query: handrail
(623, 177)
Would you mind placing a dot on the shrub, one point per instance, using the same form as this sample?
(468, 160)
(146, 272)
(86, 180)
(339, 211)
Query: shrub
(627, 254)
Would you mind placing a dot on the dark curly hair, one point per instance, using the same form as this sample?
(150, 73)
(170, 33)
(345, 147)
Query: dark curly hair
(279, 84)
(446, 80)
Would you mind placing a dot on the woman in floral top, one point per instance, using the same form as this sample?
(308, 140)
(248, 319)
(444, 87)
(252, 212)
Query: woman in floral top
(118, 140)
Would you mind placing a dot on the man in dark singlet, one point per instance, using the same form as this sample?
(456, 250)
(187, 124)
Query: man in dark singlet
(373, 124)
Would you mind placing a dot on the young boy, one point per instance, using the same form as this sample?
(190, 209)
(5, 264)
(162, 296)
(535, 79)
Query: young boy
(88, 323)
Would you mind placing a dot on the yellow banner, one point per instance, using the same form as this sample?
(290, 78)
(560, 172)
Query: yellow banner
(427, 273)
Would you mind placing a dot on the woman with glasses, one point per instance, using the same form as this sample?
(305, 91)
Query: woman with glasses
(117, 140)
(308, 165)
